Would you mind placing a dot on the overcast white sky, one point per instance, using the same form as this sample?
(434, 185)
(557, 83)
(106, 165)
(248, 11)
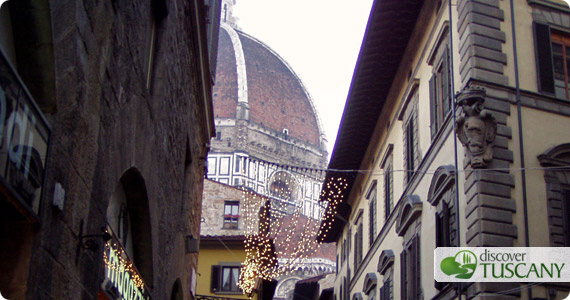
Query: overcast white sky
(319, 39)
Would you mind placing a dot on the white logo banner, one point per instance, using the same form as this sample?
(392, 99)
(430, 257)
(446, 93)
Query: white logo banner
(502, 264)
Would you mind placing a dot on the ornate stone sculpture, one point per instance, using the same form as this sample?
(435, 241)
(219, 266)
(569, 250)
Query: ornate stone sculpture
(476, 127)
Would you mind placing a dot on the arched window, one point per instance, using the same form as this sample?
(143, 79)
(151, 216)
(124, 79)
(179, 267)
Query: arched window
(385, 268)
(442, 195)
(369, 286)
(128, 216)
(558, 193)
(408, 227)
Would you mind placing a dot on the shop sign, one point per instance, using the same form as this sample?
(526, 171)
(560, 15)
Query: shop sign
(121, 277)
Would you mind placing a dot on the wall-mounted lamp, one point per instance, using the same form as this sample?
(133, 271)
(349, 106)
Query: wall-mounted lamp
(90, 241)
(192, 244)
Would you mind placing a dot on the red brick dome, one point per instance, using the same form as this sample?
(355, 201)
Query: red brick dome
(251, 73)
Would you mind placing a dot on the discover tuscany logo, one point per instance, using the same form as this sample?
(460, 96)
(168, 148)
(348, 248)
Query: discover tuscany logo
(462, 265)
(497, 264)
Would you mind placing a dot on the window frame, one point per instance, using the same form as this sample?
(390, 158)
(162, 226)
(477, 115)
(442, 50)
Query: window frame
(358, 239)
(439, 91)
(410, 149)
(230, 221)
(386, 291)
(386, 269)
(562, 39)
(543, 57)
(216, 281)
(410, 127)
(557, 182)
(410, 264)
(386, 165)
(372, 207)
(442, 195)
(230, 269)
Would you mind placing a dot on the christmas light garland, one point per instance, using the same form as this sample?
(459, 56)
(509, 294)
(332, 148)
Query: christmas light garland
(273, 231)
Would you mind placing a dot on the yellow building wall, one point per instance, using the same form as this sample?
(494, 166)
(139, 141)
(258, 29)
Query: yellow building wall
(210, 257)
(535, 144)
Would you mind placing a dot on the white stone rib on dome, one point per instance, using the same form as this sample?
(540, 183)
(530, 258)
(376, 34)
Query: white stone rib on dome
(240, 63)
(313, 107)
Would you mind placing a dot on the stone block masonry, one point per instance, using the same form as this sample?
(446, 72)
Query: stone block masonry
(129, 97)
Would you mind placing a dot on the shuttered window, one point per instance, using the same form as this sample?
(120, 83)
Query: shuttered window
(544, 58)
(410, 271)
(560, 46)
(358, 246)
(410, 151)
(371, 196)
(387, 192)
(443, 227)
(552, 61)
(225, 279)
(404, 274)
(386, 290)
(372, 219)
(439, 91)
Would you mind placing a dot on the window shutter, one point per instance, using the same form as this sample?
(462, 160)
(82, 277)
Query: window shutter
(410, 153)
(413, 270)
(360, 243)
(403, 271)
(439, 239)
(417, 267)
(215, 281)
(446, 83)
(438, 232)
(382, 297)
(445, 226)
(543, 50)
(370, 222)
(433, 105)
(566, 216)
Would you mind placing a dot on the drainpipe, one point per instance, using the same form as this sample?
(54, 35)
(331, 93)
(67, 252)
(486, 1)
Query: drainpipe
(452, 88)
(521, 141)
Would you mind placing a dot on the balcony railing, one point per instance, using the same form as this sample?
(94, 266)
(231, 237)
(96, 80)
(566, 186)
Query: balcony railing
(205, 297)
(24, 135)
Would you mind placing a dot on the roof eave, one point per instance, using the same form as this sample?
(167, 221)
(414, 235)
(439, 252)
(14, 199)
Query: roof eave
(388, 32)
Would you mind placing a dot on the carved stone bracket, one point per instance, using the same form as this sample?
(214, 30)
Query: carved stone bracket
(476, 126)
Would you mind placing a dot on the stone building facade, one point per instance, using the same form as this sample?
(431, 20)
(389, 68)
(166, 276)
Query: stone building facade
(466, 140)
(107, 151)
(230, 223)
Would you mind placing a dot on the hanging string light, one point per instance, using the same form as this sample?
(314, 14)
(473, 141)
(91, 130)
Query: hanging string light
(281, 227)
